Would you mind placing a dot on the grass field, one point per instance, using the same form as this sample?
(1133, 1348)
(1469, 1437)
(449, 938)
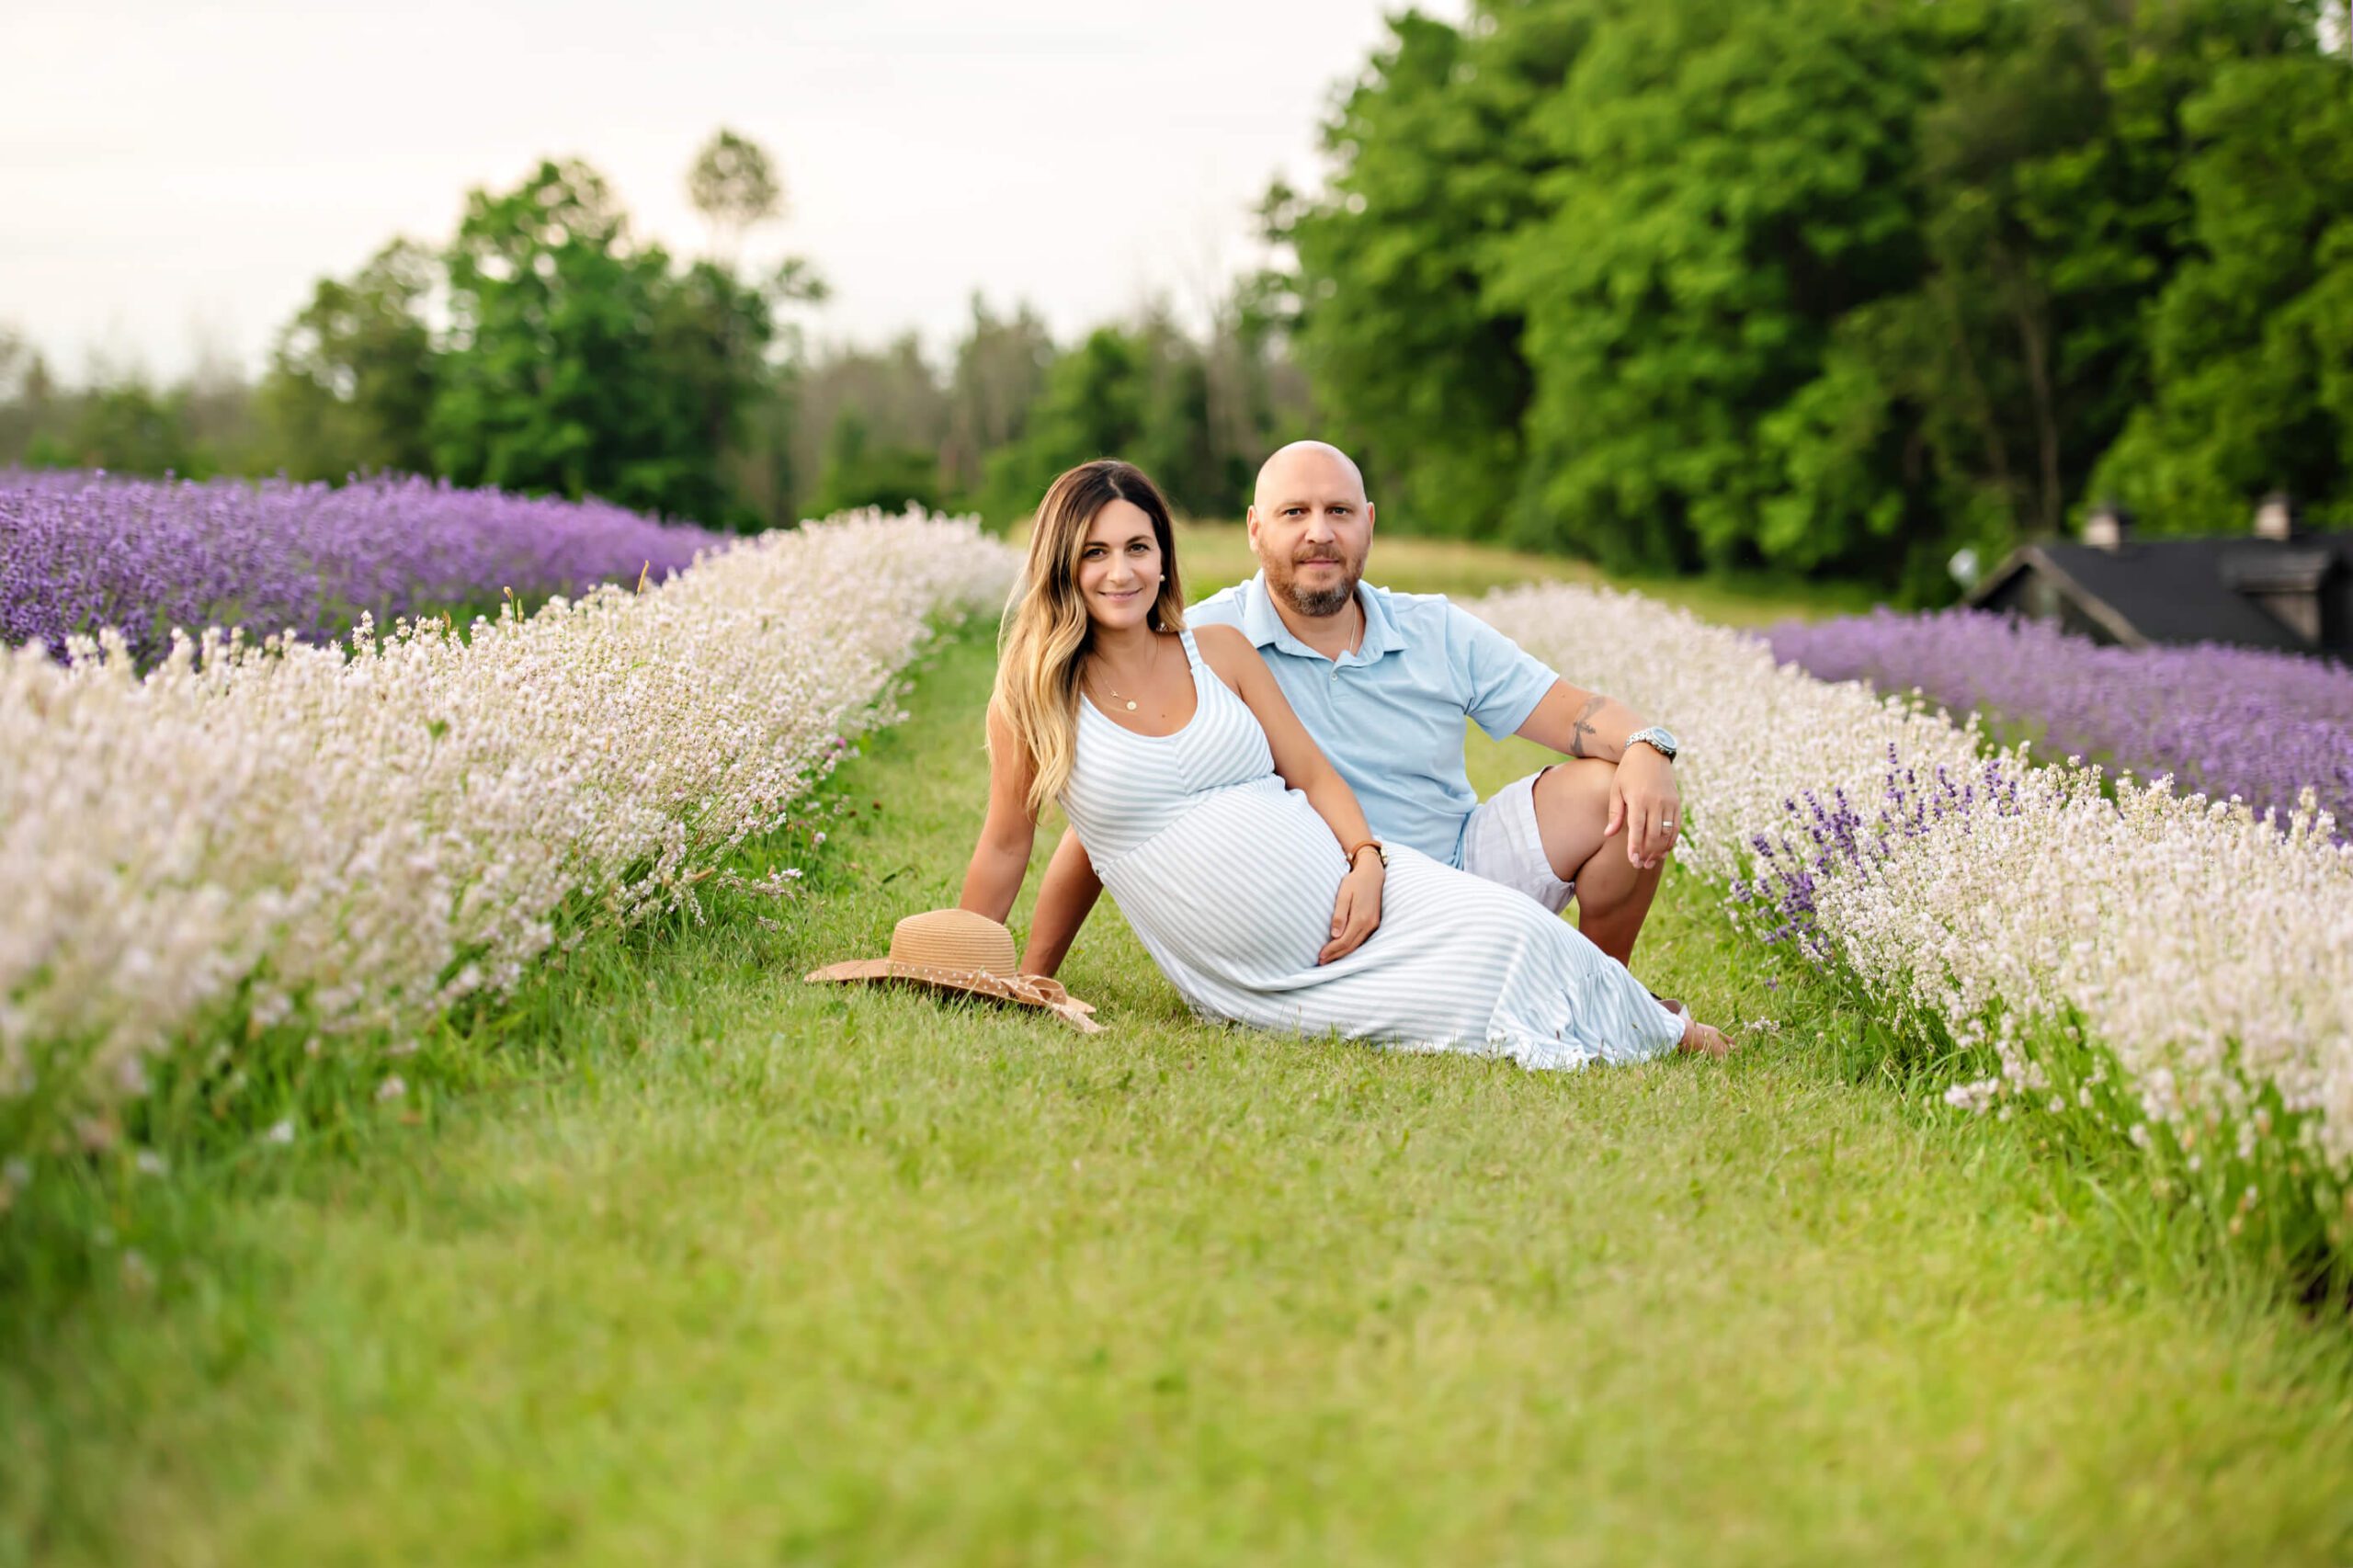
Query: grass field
(677, 1258)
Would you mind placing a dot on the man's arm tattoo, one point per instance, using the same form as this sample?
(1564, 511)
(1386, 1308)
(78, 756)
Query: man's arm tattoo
(1584, 726)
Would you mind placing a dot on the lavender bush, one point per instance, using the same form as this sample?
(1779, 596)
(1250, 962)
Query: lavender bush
(2223, 721)
(80, 551)
(2050, 941)
(1836, 839)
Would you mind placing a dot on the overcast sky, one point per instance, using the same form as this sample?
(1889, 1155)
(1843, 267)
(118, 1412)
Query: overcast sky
(177, 175)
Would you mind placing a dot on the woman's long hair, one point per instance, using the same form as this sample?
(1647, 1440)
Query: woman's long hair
(1042, 643)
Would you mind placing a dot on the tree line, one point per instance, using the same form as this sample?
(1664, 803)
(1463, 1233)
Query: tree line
(1836, 285)
(544, 348)
(1830, 287)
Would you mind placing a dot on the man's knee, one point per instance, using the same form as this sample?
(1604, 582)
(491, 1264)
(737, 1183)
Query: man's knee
(1580, 785)
(1573, 811)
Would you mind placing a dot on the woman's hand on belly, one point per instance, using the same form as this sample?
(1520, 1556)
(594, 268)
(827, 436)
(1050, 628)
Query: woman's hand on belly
(1356, 913)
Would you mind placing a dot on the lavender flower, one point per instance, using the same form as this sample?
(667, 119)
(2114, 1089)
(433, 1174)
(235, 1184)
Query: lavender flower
(340, 843)
(81, 551)
(2222, 720)
(2173, 968)
(1839, 842)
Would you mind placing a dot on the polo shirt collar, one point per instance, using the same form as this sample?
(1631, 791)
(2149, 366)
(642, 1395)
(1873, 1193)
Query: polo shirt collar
(1263, 625)
(1260, 622)
(1382, 632)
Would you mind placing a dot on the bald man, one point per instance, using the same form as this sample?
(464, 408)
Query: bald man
(1383, 682)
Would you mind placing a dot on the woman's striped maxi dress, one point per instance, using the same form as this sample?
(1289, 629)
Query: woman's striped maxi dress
(1229, 877)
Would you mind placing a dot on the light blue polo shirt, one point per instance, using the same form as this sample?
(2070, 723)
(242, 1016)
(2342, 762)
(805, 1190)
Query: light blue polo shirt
(1390, 714)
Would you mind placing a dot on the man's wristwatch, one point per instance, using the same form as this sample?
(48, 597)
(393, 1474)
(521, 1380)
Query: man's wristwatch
(1657, 739)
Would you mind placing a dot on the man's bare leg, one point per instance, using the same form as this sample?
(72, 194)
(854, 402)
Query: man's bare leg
(1613, 896)
(1066, 898)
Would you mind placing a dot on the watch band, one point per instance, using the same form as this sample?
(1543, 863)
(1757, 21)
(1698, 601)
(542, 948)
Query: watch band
(1658, 740)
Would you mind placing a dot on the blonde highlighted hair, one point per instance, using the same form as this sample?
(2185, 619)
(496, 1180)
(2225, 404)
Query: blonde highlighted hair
(1043, 640)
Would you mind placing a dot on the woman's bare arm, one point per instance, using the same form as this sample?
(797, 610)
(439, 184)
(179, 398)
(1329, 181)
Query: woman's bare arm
(1298, 758)
(1303, 766)
(1001, 859)
(1065, 895)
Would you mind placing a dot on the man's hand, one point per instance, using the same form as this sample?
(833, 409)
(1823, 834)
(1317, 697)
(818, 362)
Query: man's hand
(1356, 914)
(1643, 801)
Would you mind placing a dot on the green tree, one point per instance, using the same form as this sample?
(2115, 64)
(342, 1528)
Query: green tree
(861, 471)
(129, 427)
(1093, 406)
(747, 389)
(577, 363)
(995, 377)
(2251, 341)
(1417, 362)
(28, 400)
(734, 185)
(1730, 184)
(705, 345)
(1175, 440)
(1833, 285)
(893, 392)
(1197, 411)
(1974, 407)
(1259, 394)
(350, 382)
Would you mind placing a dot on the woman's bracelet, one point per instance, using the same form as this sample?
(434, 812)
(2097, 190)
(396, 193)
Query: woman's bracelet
(1373, 844)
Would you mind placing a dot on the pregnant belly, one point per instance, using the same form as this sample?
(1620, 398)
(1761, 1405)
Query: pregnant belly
(1241, 885)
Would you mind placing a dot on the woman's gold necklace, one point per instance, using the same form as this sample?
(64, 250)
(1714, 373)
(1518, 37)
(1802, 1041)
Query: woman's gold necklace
(1129, 701)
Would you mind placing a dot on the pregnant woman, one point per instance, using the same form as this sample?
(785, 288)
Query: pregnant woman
(1231, 845)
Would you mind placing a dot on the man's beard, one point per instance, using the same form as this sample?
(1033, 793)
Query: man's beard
(1319, 602)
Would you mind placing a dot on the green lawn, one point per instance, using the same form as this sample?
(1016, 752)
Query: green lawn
(701, 1263)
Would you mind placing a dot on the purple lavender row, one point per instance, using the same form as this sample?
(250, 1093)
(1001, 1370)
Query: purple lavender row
(2223, 721)
(79, 550)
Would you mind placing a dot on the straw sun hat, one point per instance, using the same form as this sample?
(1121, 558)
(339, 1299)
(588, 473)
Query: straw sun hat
(955, 949)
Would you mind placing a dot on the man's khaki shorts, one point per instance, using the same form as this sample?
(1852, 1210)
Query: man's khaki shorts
(1501, 844)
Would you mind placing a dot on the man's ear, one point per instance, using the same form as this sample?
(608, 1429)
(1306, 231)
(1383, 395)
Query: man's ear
(1368, 516)
(1250, 526)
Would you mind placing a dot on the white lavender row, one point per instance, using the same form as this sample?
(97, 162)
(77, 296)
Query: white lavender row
(347, 841)
(2206, 954)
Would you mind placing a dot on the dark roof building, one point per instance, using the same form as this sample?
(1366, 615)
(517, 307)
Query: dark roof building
(2275, 588)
